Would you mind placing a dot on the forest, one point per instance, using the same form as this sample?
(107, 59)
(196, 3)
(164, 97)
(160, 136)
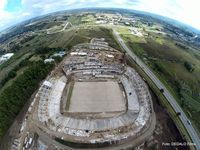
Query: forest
(14, 97)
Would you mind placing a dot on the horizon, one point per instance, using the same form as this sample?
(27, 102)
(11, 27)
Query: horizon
(156, 16)
(13, 12)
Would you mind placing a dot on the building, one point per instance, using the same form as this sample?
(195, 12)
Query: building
(49, 60)
(5, 57)
(59, 54)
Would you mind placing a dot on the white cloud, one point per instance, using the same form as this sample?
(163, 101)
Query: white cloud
(188, 12)
(182, 10)
(4, 14)
(3, 4)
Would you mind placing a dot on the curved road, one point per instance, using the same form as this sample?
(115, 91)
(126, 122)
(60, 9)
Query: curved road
(193, 134)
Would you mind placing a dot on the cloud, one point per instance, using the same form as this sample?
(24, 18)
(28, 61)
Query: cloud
(3, 14)
(182, 10)
(3, 4)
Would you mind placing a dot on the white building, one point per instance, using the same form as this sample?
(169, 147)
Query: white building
(49, 60)
(109, 56)
(5, 57)
(78, 53)
(47, 84)
(60, 54)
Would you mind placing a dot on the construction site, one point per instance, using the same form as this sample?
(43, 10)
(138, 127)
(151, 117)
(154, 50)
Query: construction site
(92, 97)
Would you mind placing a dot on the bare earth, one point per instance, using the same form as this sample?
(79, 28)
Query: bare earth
(97, 97)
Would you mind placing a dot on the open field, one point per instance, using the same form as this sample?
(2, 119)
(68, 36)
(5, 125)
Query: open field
(96, 97)
(56, 40)
(77, 20)
(167, 61)
(126, 33)
(11, 65)
(161, 100)
(68, 38)
(85, 34)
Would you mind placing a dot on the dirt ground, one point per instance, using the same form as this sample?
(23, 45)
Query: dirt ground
(165, 132)
(97, 97)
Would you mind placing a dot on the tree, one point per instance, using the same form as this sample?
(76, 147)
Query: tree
(189, 66)
(182, 102)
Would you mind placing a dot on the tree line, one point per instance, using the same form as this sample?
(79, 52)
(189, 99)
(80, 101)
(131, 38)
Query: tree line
(14, 97)
(13, 72)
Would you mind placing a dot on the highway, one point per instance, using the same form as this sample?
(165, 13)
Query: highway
(193, 134)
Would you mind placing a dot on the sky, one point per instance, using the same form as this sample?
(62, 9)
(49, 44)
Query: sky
(14, 11)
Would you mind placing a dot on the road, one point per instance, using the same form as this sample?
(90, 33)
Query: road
(193, 134)
(68, 23)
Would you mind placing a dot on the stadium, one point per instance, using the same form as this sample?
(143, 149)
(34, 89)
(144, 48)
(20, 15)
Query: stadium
(94, 97)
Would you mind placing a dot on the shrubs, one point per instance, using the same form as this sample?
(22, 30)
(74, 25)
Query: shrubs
(189, 66)
(47, 50)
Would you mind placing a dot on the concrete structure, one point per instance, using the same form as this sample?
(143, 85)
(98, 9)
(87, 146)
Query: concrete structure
(96, 99)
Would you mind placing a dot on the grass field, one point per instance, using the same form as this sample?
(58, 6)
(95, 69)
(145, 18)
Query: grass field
(54, 40)
(6, 67)
(88, 19)
(163, 101)
(167, 61)
(75, 20)
(126, 34)
(67, 39)
(85, 34)
(69, 95)
(55, 29)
